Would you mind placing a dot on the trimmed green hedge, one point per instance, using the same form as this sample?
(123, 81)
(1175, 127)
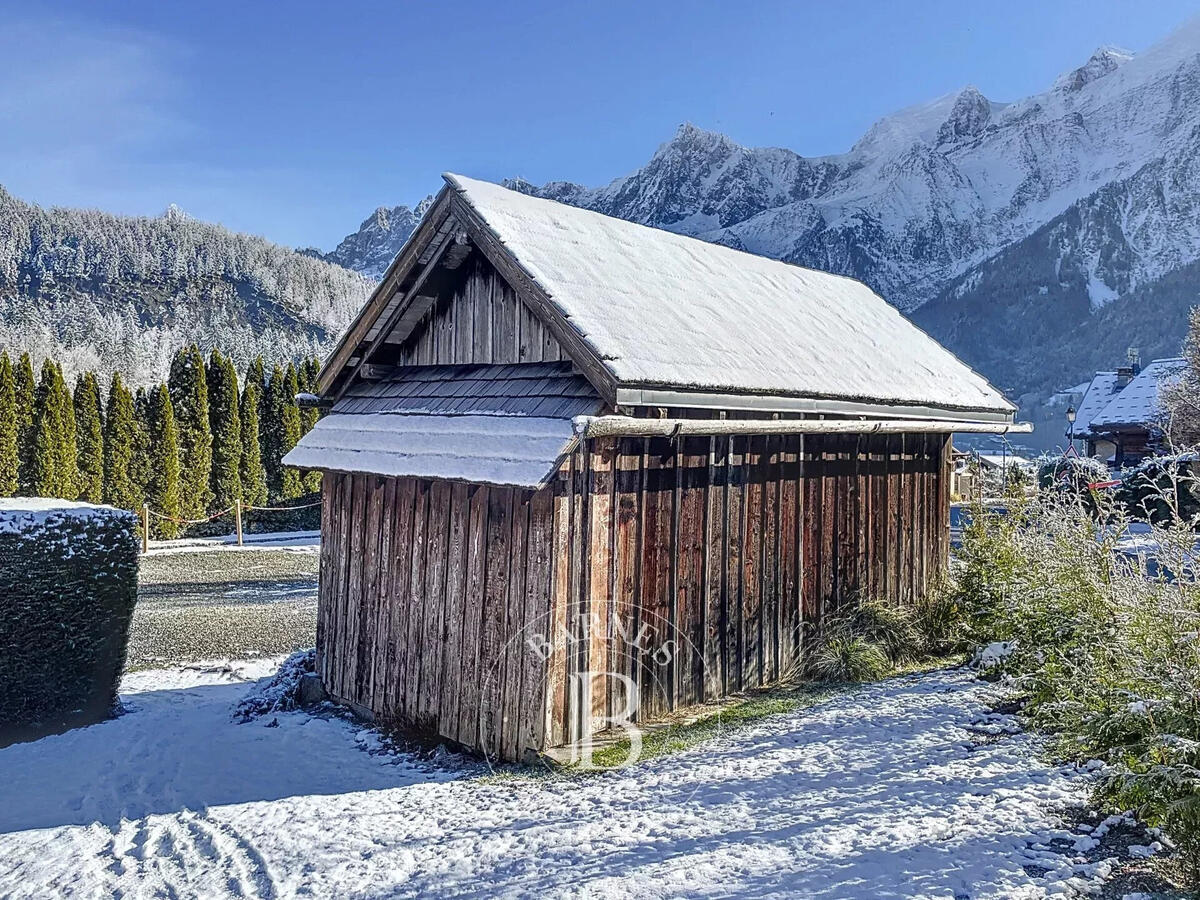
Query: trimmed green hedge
(68, 583)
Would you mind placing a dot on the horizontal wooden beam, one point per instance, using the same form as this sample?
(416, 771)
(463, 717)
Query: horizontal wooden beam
(628, 426)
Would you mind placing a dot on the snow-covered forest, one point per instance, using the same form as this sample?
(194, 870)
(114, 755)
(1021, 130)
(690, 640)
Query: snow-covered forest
(122, 294)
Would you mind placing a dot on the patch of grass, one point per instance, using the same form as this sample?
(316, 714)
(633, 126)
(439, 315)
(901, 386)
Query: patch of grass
(850, 658)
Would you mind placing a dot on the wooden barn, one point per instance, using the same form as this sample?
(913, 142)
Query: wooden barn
(578, 471)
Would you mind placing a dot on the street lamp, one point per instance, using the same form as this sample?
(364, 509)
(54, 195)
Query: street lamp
(1071, 414)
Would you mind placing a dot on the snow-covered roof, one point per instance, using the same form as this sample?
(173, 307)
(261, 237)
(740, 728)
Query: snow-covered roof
(523, 451)
(1137, 402)
(1095, 398)
(664, 310)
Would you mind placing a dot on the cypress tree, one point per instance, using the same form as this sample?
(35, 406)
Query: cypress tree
(10, 462)
(309, 415)
(163, 483)
(140, 468)
(89, 438)
(189, 400)
(68, 460)
(120, 449)
(225, 423)
(254, 479)
(256, 374)
(26, 404)
(45, 464)
(280, 432)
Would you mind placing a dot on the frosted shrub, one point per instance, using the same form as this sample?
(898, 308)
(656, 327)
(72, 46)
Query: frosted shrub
(1106, 625)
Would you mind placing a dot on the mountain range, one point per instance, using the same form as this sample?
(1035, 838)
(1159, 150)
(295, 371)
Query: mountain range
(1037, 239)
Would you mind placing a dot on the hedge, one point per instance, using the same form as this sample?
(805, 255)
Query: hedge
(68, 583)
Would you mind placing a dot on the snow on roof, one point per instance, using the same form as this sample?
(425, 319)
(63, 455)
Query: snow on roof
(999, 460)
(1137, 402)
(522, 451)
(666, 310)
(1095, 398)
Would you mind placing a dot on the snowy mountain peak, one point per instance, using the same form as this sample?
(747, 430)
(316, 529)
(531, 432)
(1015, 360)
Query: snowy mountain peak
(968, 117)
(1101, 63)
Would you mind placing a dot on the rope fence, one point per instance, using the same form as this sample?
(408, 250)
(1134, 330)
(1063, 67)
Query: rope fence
(237, 509)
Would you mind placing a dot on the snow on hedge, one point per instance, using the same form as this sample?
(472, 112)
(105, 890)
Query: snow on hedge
(68, 583)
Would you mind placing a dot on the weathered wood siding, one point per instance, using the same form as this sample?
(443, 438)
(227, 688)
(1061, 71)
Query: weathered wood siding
(483, 321)
(652, 574)
(700, 567)
(427, 592)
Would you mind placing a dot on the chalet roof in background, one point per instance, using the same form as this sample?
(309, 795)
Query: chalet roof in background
(664, 310)
(1095, 398)
(1137, 403)
(522, 451)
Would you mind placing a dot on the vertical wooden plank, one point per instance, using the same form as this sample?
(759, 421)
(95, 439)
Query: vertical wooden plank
(417, 602)
(578, 719)
(598, 551)
(513, 646)
(469, 698)
(810, 539)
(452, 630)
(789, 591)
(355, 595)
(626, 561)
(715, 549)
(690, 499)
(752, 560)
(771, 562)
(491, 643)
(735, 529)
(437, 540)
(401, 603)
(327, 573)
(367, 617)
(656, 619)
(383, 608)
(533, 643)
(560, 580)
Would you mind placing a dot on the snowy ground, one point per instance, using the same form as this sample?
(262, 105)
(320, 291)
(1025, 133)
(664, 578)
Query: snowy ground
(292, 541)
(908, 788)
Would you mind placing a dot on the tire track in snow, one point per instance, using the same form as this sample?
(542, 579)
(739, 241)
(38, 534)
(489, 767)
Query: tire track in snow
(185, 854)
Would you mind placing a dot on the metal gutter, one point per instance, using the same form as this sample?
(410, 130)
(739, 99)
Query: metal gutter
(628, 426)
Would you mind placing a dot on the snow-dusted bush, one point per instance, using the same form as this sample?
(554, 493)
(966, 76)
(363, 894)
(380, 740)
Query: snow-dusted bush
(282, 692)
(1103, 626)
(1070, 474)
(1161, 488)
(68, 582)
(849, 658)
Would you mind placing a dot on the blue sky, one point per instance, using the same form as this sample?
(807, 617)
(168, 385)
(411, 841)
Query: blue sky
(296, 120)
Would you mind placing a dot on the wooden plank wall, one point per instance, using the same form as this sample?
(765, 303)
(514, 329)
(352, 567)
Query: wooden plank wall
(483, 322)
(699, 567)
(428, 593)
(653, 574)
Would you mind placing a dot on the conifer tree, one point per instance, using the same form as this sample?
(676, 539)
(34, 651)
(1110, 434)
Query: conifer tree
(225, 423)
(45, 464)
(140, 469)
(189, 399)
(89, 438)
(163, 482)
(256, 374)
(120, 448)
(309, 415)
(280, 432)
(10, 461)
(26, 402)
(253, 478)
(68, 460)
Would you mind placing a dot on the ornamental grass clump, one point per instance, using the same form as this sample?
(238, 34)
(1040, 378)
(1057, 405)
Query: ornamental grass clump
(1103, 612)
(851, 659)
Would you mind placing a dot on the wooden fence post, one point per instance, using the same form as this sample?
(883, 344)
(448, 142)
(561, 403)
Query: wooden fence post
(238, 518)
(145, 527)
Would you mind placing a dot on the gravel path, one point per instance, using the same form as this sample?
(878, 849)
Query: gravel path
(219, 604)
